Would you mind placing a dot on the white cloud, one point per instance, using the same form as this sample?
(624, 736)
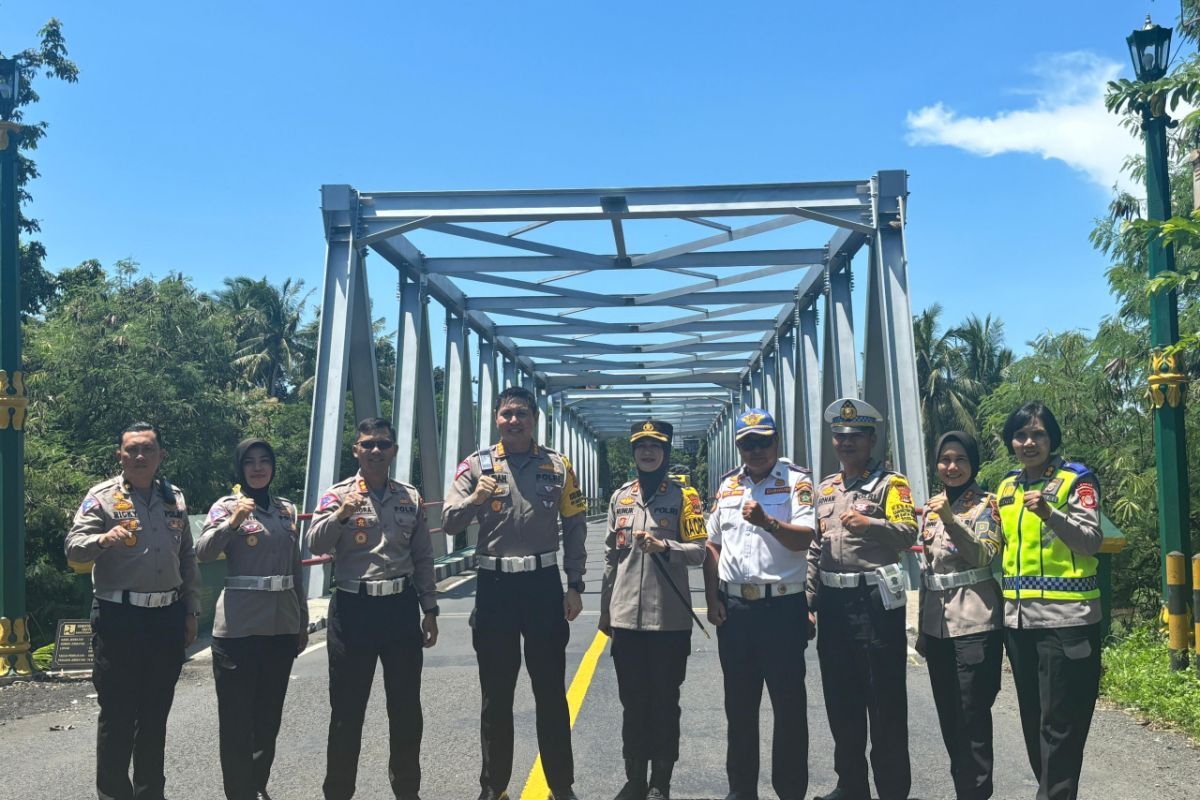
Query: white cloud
(1068, 122)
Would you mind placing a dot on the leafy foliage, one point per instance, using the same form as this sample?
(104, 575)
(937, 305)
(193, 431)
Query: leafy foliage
(1137, 675)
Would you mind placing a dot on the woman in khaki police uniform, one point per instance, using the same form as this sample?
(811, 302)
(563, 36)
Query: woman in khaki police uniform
(961, 631)
(261, 621)
(652, 518)
(1050, 519)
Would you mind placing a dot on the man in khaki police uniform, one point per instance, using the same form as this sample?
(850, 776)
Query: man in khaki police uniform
(383, 571)
(518, 490)
(655, 532)
(754, 582)
(134, 528)
(865, 520)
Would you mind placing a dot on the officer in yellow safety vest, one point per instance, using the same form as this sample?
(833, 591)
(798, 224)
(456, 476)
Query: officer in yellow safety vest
(1050, 521)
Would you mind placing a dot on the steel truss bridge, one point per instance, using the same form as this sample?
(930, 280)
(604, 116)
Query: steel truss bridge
(744, 320)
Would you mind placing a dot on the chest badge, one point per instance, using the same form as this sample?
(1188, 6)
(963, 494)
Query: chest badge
(122, 505)
(828, 490)
(626, 501)
(360, 537)
(664, 522)
(252, 540)
(131, 541)
(497, 505)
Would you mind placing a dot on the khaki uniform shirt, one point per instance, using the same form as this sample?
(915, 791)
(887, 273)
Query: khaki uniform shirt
(533, 491)
(971, 541)
(385, 538)
(266, 543)
(750, 554)
(158, 557)
(634, 592)
(878, 493)
(1079, 529)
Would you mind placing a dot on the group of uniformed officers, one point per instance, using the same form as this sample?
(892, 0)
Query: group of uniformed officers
(784, 559)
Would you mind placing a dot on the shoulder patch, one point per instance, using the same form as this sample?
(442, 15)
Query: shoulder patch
(464, 467)
(89, 504)
(328, 501)
(217, 513)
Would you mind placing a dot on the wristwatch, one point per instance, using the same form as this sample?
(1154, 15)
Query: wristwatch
(576, 585)
(772, 525)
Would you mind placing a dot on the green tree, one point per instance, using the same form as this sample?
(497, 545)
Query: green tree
(49, 58)
(267, 325)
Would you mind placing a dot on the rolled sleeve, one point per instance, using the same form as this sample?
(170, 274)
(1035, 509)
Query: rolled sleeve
(1079, 526)
(422, 558)
(82, 543)
(458, 511)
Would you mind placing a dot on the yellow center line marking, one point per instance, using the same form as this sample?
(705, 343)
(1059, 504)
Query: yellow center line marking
(535, 785)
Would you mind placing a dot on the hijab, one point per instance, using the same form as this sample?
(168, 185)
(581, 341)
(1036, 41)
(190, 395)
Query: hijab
(971, 448)
(650, 481)
(262, 497)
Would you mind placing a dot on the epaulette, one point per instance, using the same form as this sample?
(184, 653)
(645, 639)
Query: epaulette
(1012, 473)
(628, 483)
(1076, 467)
(794, 468)
(731, 472)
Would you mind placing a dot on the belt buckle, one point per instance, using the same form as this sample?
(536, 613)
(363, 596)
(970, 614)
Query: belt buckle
(750, 591)
(397, 585)
(275, 583)
(374, 589)
(529, 563)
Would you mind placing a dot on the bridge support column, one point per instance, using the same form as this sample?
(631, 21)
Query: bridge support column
(809, 431)
(770, 370)
(458, 434)
(343, 272)
(840, 377)
(487, 392)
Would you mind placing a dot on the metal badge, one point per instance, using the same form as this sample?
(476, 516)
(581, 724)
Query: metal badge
(252, 540)
(750, 591)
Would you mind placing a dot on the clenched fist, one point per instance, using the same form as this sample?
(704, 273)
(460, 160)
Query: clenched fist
(483, 490)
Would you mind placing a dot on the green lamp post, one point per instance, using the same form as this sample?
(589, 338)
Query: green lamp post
(1150, 49)
(14, 635)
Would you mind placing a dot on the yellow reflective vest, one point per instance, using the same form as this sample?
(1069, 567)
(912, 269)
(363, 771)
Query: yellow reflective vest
(1037, 564)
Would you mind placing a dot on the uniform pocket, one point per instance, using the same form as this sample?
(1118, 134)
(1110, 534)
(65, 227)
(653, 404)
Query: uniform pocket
(970, 654)
(1077, 648)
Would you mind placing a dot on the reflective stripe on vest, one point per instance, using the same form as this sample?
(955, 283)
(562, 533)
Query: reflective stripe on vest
(1037, 564)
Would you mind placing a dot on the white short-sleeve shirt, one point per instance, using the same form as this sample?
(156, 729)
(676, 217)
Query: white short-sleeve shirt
(750, 554)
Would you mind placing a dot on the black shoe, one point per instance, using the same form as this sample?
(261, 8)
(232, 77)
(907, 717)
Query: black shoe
(490, 794)
(413, 796)
(567, 794)
(262, 795)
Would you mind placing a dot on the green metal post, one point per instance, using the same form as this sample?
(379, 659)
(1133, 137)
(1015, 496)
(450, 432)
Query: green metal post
(14, 634)
(1167, 382)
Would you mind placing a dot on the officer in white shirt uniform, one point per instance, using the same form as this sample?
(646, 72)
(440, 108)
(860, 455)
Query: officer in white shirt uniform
(754, 580)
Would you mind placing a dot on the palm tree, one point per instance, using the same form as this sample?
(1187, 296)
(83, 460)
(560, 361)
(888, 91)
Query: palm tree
(984, 357)
(949, 397)
(267, 322)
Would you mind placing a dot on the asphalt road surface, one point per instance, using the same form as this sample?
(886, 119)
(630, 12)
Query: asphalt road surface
(47, 731)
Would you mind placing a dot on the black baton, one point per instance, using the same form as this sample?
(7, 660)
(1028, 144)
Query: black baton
(686, 603)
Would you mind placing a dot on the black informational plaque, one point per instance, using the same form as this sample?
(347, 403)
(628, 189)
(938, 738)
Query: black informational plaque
(73, 645)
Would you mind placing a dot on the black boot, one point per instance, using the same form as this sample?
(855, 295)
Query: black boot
(660, 780)
(635, 786)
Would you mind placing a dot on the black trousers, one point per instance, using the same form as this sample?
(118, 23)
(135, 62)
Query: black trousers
(1057, 673)
(362, 631)
(509, 607)
(251, 674)
(763, 641)
(863, 652)
(651, 666)
(964, 673)
(138, 654)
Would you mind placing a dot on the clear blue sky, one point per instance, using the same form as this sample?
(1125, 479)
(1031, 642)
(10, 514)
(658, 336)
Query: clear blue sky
(199, 134)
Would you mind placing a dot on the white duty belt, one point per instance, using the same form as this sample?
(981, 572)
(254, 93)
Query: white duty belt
(760, 591)
(517, 563)
(261, 583)
(140, 599)
(374, 588)
(848, 580)
(952, 580)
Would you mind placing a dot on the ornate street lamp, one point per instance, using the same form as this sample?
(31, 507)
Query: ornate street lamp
(1150, 50)
(14, 633)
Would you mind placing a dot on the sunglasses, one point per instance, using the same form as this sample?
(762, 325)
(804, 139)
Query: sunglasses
(755, 442)
(376, 444)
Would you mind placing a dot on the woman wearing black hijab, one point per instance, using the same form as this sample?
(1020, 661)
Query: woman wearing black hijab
(261, 621)
(961, 631)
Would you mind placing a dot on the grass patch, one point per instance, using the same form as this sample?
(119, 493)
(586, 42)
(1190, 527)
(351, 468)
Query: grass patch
(1137, 675)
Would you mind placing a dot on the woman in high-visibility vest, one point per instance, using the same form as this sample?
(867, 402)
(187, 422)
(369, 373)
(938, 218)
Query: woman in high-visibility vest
(1050, 519)
(962, 627)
